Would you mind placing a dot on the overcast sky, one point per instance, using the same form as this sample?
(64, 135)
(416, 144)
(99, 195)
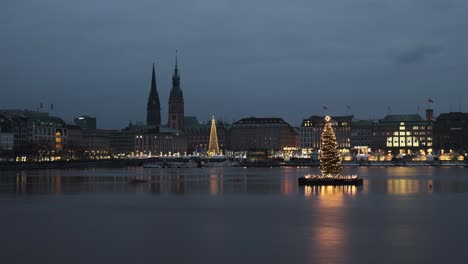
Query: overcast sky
(237, 58)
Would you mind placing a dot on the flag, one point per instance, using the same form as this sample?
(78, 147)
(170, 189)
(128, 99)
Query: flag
(348, 107)
(430, 100)
(326, 108)
(51, 106)
(40, 105)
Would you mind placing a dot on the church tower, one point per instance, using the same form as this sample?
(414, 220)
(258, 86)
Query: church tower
(176, 102)
(153, 109)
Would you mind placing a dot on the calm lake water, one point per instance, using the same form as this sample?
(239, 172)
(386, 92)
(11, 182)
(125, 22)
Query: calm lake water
(233, 215)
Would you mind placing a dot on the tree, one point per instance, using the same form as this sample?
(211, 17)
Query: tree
(213, 148)
(330, 160)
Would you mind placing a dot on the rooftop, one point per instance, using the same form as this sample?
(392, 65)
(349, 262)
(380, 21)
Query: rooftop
(261, 120)
(401, 118)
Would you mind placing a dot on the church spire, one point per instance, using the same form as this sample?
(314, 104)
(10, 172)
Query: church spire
(176, 70)
(176, 101)
(153, 81)
(176, 77)
(153, 114)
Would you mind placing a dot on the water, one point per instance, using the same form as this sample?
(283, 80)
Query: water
(233, 215)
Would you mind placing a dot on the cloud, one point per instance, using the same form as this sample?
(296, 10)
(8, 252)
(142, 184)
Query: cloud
(417, 54)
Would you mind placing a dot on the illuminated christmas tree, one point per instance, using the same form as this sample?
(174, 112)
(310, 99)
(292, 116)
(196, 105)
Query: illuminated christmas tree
(213, 147)
(330, 160)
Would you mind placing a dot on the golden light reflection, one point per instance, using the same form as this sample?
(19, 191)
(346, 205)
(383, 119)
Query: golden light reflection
(287, 187)
(329, 191)
(328, 233)
(58, 184)
(216, 187)
(408, 186)
(330, 243)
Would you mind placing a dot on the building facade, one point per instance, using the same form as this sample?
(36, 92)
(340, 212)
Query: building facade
(451, 132)
(37, 135)
(361, 136)
(122, 143)
(312, 128)
(403, 134)
(166, 142)
(7, 138)
(97, 143)
(262, 134)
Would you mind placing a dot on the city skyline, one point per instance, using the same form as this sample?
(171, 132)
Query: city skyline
(235, 59)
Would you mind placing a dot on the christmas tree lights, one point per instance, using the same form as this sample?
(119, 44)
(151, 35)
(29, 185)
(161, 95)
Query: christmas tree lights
(213, 148)
(330, 159)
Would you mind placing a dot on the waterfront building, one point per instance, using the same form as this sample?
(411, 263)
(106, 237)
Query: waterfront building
(85, 122)
(37, 135)
(361, 136)
(97, 143)
(7, 139)
(311, 132)
(451, 132)
(272, 134)
(403, 134)
(75, 145)
(166, 141)
(176, 102)
(122, 142)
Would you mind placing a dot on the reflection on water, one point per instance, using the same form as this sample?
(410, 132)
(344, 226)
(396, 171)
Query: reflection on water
(233, 215)
(328, 233)
(216, 185)
(330, 191)
(409, 186)
(221, 181)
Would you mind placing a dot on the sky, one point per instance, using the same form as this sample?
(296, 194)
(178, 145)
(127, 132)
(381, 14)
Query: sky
(237, 58)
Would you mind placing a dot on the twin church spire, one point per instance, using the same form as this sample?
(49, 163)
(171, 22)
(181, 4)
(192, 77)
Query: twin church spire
(176, 103)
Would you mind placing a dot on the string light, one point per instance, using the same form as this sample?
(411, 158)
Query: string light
(213, 147)
(330, 159)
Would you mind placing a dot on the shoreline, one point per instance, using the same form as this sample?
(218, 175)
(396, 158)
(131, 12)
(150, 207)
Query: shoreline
(12, 166)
